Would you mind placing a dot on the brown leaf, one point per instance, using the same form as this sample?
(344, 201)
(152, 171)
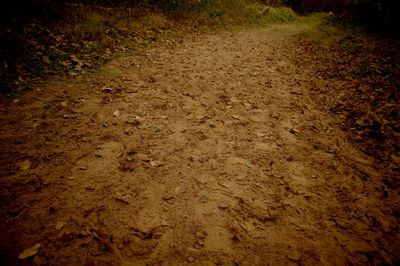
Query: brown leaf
(59, 225)
(29, 252)
(24, 165)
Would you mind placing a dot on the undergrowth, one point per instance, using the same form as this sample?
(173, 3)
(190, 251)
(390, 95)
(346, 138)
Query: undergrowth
(369, 59)
(77, 38)
(368, 68)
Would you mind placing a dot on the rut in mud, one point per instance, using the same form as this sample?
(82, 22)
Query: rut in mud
(208, 151)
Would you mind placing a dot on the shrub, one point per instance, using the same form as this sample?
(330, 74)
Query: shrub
(280, 15)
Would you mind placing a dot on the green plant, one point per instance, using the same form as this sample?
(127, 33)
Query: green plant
(280, 15)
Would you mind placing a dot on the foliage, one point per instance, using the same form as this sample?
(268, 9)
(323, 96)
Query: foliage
(368, 66)
(281, 15)
(380, 15)
(47, 37)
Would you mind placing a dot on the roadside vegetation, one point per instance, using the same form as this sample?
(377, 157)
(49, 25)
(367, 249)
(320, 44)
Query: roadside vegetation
(51, 39)
(369, 67)
(45, 39)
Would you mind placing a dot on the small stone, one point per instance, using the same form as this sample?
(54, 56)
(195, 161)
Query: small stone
(194, 250)
(223, 205)
(180, 190)
(116, 113)
(204, 179)
(236, 117)
(170, 199)
(201, 234)
(203, 199)
(71, 178)
(294, 255)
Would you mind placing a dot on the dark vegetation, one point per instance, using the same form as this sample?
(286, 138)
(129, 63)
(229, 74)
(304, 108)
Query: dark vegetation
(378, 15)
(46, 38)
(42, 38)
(368, 98)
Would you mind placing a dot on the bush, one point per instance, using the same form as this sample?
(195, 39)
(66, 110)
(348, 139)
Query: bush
(281, 15)
(376, 14)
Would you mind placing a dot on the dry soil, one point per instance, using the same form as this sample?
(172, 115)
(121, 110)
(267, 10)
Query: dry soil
(206, 150)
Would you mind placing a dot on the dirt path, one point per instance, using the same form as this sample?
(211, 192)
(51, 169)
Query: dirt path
(205, 151)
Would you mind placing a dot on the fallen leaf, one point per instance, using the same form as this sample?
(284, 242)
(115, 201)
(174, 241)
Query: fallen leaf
(395, 159)
(73, 74)
(139, 119)
(25, 165)
(154, 163)
(29, 252)
(106, 89)
(46, 59)
(59, 225)
(201, 116)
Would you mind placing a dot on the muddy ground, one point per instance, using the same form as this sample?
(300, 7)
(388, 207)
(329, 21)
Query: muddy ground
(209, 150)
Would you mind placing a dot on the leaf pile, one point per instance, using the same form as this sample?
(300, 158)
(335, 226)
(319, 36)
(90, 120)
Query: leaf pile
(81, 38)
(368, 96)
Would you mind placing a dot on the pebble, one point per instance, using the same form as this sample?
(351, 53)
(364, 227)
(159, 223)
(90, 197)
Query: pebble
(223, 205)
(132, 90)
(203, 199)
(180, 190)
